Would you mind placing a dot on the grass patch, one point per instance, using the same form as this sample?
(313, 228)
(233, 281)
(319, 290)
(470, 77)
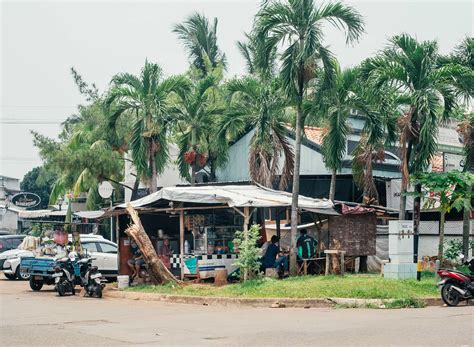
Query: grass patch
(350, 286)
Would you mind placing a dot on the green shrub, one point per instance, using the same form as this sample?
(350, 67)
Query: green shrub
(248, 260)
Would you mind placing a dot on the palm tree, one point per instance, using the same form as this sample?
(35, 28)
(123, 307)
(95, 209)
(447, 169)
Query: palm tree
(379, 111)
(297, 24)
(199, 37)
(145, 100)
(195, 113)
(333, 103)
(260, 105)
(430, 92)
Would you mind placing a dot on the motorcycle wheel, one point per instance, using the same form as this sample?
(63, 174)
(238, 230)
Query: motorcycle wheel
(36, 284)
(61, 289)
(98, 291)
(451, 297)
(73, 290)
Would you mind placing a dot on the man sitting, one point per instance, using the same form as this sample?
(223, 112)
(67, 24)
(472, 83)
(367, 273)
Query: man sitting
(136, 261)
(306, 246)
(270, 259)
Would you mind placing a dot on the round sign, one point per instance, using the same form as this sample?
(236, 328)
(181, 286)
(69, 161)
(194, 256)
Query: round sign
(105, 189)
(25, 200)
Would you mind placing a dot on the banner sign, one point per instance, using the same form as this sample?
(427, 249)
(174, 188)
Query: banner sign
(25, 200)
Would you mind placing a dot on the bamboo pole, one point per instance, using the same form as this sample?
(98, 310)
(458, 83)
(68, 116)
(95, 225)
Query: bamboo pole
(246, 233)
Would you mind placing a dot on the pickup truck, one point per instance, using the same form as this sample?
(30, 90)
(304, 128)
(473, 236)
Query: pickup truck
(39, 269)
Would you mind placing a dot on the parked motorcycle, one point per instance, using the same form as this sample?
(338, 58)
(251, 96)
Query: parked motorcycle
(64, 277)
(456, 286)
(71, 271)
(90, 277)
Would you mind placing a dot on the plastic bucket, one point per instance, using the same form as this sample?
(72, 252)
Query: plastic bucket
(123, 281)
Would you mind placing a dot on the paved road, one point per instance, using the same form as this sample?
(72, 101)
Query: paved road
(42, 318)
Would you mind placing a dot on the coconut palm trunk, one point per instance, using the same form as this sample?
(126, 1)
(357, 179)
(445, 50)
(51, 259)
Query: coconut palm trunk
(296, 175)
(154, 175)
(441, 236)
(332, 187)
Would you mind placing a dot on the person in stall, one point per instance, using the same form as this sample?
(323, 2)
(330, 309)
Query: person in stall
(273, 258)
(136, 261)
(165, 253)
(306, 247)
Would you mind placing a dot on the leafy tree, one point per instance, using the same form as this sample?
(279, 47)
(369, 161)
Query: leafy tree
(38, 181)
(145, 101)
(447, 191)
(430, 91)
(297, 25)
(199, 37)
(195, 112)
(249, 258)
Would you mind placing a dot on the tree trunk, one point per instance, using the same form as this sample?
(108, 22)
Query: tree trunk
(136, 185)
(416, 221)
(295, 192)
(158, 272)
(153, 183)
(332, 187)
(193, 174)
(466, 227)
(441, 237)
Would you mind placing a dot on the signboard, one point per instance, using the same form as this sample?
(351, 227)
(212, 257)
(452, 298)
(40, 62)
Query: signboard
(453, 162)
(105, 189)
(25, 200)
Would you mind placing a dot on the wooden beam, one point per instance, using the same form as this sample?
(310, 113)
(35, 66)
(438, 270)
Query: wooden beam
(246, 233)
(239, 211)
(181, 242)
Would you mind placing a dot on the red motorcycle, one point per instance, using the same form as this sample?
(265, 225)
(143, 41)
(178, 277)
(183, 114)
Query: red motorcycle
(456, 286)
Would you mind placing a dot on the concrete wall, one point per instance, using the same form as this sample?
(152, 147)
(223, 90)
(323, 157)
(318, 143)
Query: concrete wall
(9, 222)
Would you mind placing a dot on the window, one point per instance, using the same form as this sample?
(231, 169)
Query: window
(108, 248)
(16, 242)
(90, 246)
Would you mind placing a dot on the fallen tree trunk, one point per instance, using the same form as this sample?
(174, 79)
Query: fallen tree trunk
(158, 272)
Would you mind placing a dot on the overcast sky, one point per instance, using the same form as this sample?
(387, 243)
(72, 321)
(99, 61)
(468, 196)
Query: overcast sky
(41, 40)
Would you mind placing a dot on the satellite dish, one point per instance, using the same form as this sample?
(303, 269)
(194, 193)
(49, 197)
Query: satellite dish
(105, 189)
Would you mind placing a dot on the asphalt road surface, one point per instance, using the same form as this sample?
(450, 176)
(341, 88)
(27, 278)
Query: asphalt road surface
(43, 319)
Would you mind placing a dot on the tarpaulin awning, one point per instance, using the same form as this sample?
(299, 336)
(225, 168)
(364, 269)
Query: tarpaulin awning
(230, 195)
(32, 214)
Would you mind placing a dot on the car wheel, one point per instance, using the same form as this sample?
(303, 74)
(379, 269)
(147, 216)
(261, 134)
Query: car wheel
(21, 275)
(36, 284)
(98, 291)
(11, 277)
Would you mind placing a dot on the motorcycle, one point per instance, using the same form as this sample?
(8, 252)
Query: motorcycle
(63, 276)
(70, 272)
(91, 278)
(456, 286)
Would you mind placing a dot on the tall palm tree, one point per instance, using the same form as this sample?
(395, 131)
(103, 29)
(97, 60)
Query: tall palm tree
(145, 100)
(379, 111)
(195, 112)
(430, 92)
(298, 24)
(199, 37)
(260, 106)
(333, 103)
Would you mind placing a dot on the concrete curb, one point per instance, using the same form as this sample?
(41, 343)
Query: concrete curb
(253, 302)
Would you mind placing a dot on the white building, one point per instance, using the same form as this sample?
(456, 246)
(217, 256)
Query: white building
(9, 186)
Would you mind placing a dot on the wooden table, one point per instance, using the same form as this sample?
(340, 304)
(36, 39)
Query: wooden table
(335, 252)
(304, 265)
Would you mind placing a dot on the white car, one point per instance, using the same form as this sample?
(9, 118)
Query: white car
(103, 251)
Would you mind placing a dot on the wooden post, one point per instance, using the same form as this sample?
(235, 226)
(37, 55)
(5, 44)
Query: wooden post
(326, 272)
(343, 267)
(246, 234)
(181, 243)
(277, 221)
